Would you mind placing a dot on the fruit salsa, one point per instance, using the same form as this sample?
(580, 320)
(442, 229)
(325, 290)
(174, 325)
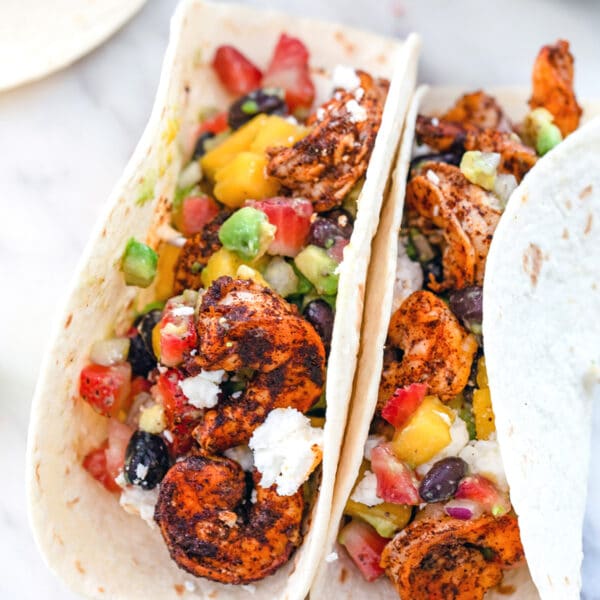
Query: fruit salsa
(215, 394)
(431, 507)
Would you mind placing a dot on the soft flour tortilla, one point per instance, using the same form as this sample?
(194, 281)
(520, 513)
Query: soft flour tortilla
(86, 537)
(545, 373)
(43, 36)
(340, 578)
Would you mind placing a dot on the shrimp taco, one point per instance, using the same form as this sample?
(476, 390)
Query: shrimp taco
(422, 506)
(200, 375)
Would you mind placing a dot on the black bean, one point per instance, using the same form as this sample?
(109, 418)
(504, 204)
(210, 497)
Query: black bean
(269, 101)
(467, 304)
(146, 460)
(199, 148)
(320, 315)
(142, 361)
(324, 233)
(441, 481)
(145, 326)
(343, 219)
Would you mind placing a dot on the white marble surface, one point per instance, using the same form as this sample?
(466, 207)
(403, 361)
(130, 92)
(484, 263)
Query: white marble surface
(65, 140)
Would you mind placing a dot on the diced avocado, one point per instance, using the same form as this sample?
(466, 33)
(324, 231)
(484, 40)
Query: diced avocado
(350, 202)
(247, 232)
(281, 277)
(319, 268)
(304, 285)
(386, 518)
(480, 167)
(139, 263)
(314, 296)
(548, 136)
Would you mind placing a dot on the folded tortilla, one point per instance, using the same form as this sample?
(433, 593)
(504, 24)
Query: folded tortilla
(86, 537)
(544, 443)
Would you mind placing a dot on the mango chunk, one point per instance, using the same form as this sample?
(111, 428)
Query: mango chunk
(165, 275)
(426, 433)
(222, 262)
(244, 178)
(275, 133)
(386, 518)
(246, 272)
(237, 142)
(483, 412)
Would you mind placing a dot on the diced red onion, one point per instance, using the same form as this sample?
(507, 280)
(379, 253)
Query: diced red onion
(463, 509)
(110, 352)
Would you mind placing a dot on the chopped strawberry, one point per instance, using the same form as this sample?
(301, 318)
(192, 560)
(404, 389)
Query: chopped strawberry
(105, 462)
(337, 250)
(177, 330)
(481, 490)
(119, 435)
(181, 416)
(396, 481)
(291, 216)
(196, 212)
(289, 70)
(235, 71)
(215, 124)
(106, 389)
(405, 401)
(365, 546)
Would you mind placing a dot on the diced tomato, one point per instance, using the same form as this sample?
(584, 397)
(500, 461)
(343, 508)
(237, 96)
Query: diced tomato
(215, 124)
(481, 490)
(104, 463)
(405, 401)
(181, 416)
(289, 70)
(235, 71)
(291, 216)
(196, 212)
(106, 389)
(337, 250)
(365, 546)
(177, 332)
(396, 481)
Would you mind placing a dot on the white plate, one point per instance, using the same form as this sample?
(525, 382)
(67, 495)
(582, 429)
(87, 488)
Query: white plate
(38, 37)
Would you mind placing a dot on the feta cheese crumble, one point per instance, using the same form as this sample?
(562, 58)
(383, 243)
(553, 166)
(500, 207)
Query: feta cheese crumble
(344, 77)
(483, 457)
(366, 490)
(202, 390)
(331, 557)
(141, 471)
(138, 501)
(357, 112)
(372, 442)
(182, 311)
(409, 278)
(286, 450)
(242, 455)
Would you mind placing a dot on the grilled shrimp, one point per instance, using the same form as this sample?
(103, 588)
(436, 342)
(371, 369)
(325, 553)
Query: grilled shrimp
(552, 82)
(443, 197)
(479, 110)
(212, 530)
(195, 254)
(325, 164)
(441, 558)
(437, 349)
(243, 325)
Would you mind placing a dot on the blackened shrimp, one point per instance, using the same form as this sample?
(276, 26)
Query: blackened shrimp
(212, 529)
(242, 325)
(195, 254)
(325, 164)
(480, 110)
(444, 198)
(552, 81)
(437, 350)
(441, 558)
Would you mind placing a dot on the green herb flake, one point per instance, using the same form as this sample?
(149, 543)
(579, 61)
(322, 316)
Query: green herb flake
(146, 189)
(250, 107)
